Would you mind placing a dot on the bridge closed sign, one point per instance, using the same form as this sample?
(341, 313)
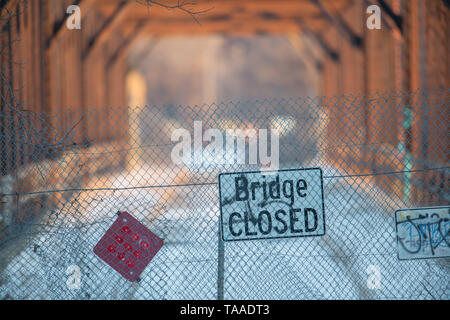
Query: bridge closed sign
(271, 204)
(423, 233)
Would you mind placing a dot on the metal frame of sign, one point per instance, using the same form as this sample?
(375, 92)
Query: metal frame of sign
(272, 171)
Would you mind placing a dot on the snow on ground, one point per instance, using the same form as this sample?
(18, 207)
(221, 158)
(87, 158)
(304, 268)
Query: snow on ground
(360, 233)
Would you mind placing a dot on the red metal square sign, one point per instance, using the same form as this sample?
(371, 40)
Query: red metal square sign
(128, 246)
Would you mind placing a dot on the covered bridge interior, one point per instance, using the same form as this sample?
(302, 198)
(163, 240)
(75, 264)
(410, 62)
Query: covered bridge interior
(79, 75)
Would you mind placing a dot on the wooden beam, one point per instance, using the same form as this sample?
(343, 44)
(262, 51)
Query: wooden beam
(343, 28)
(395, 21)
(236, 17)
(244, 22)
(8, 11)
(233, 27)
(143, 53)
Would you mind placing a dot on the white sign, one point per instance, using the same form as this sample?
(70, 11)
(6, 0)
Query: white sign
(271, 204)
(423, 233)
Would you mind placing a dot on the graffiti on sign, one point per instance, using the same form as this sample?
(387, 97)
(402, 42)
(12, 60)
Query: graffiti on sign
(423, 233)
(128, 246)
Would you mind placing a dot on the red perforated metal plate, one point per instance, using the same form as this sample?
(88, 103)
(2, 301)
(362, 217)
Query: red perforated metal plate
(128, 246)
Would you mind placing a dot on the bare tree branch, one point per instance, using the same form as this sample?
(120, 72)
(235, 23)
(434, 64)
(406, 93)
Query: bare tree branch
(184, 6)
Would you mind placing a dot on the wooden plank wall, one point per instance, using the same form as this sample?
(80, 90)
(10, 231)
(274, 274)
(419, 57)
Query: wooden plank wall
(56, 71)
(59, 71)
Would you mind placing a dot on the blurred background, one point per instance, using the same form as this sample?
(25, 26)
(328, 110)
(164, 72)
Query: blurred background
(94, 108)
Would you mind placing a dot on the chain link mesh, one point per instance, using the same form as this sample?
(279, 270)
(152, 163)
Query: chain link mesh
(65, 176)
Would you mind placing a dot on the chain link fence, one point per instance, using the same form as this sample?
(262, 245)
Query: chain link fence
(64, 177)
